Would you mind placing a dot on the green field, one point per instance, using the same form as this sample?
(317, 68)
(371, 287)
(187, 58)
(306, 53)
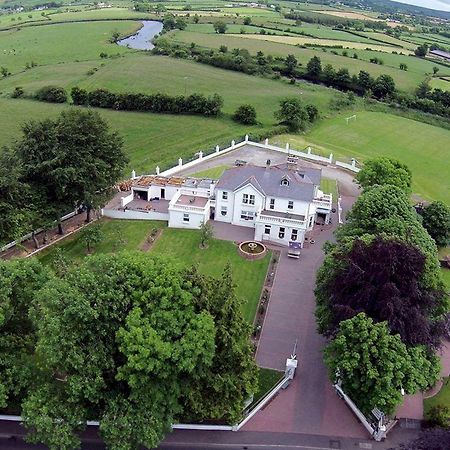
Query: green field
(328, 186)
(424, 148)
(215, 173)
(182, 246)
(442, 398)
(407, 80)
(57, 44)
(150, 139)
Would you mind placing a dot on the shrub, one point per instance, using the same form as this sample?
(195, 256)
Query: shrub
(439, 416)
(18, 92)
(52, 94)
(245, 114)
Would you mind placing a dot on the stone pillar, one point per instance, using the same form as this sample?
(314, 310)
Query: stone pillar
(353, 162)
(331, 158)
(287, 146)
(180, 162)
(308, 150)
(291, 366)
(246, 138)
(233, 143)
(266, 142)
(217, 149)
(157, 170)
(200, 154)
(133, 174)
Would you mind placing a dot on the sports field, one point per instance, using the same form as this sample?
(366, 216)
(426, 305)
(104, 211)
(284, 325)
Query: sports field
(424, 148)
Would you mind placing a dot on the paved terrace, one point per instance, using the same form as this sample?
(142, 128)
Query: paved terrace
(137, 204)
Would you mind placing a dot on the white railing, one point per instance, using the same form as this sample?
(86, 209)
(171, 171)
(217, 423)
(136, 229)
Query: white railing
(189, 207)
(327, 204)
(282, 220)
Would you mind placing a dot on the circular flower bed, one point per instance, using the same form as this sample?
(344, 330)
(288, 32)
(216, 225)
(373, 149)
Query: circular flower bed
(252, 250)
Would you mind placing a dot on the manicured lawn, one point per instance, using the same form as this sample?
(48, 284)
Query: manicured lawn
(424, 148)
(149, 139)
(441, 398)
(214, 173)
(267, 379)
(118, 235)
(183, 247)
(328, 186)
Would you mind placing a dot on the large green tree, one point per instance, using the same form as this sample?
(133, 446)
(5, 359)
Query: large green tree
(385, 170)
(72, 160)
(232, 378)
(292, 113)
(19, 281)
(436, 220)
(374, 366)
(119, 339)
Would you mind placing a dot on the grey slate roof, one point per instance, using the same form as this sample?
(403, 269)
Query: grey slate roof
(267, 180)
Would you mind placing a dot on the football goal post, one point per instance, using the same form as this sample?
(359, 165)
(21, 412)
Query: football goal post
(348, 119)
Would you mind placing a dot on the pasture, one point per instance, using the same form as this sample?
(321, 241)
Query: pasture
(424, 148)
(294, 40)
(60, 43)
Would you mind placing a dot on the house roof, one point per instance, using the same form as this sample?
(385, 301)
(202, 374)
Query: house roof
(440, 53)
(267, 180)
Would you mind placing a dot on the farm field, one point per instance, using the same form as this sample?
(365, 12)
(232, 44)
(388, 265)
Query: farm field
(75, 41)
(149, 139)
(388, 39)
(440, 83)
(422, 147)
(182, 246)
(407, 80)
(149, 74)
(294, 40)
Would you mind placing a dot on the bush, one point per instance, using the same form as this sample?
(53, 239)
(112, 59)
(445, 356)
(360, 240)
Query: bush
(18, 92)
(52, 94)
(439, 416)
(245, 114)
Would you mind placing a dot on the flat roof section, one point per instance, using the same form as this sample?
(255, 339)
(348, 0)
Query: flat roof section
(191, 200)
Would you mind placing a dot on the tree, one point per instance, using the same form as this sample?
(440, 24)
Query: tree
(439, 416)
(52, 94)
(92, 235)
(119, 339)
(247, 20)
(79, 96)
(5, 72)
(245, 114)
(220, 26)
(313, 112)
(115, 36)
(206, 234)
(435, 70)
(421, 51)
(231, 380)
(374, 366)
(365, 80)
(387, 210)
(436, 220)
(292, 113)
(169, 22)
(384, 86)
(20, 280)
(381, 278)
(291, 64)
(424, 89)
(403, 66)
(314, 67)
(74, 160)
(384, 170)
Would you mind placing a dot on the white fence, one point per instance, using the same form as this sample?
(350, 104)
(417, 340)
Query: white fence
(134, 215)
(308, 155)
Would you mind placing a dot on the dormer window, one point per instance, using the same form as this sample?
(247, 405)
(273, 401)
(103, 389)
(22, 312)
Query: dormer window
(285, 181)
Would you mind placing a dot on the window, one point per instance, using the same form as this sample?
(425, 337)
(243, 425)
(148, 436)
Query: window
(294, 235)
(224, 195)
(272, 203)
(247, 215)
(281, 233)
(285, 181)
(245, 198)
(267, 229)
(290, 204)
(185, 217)
(310, 221)
(223, 211)
(251, 199)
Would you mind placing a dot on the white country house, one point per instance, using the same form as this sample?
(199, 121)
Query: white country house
(281, 202)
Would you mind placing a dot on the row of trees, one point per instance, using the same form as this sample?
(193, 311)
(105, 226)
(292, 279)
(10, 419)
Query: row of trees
(128, 340)
(58, 165)
(380, 296)
(157, 103)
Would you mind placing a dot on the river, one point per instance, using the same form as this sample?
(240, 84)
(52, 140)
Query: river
(142, 40)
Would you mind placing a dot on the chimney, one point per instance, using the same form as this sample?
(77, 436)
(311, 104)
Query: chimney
(268, 163)
(292, 162)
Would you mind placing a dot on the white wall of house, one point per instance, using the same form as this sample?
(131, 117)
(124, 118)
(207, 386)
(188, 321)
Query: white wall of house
(187, 219)
(134, 215)
(224, 206)
(248, 201)
(279, 233)
(283, 205)
(169, 191)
